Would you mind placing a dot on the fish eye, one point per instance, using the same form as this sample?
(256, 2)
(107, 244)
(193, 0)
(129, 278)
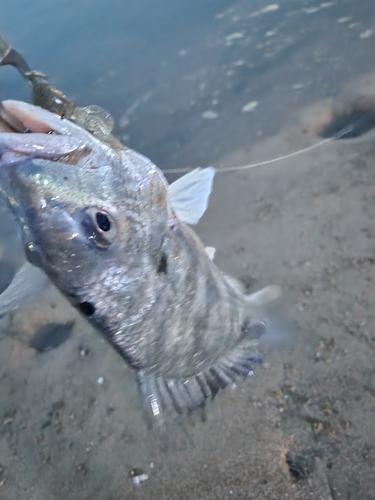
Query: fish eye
(103, 221)
(99, 227)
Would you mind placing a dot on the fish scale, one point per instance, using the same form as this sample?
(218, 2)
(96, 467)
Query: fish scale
(144, 279)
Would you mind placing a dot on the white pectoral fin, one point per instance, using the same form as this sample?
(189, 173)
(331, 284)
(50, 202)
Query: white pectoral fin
(28, 282)
(189, 195)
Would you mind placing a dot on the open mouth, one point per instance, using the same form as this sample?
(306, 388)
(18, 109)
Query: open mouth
(27, 131)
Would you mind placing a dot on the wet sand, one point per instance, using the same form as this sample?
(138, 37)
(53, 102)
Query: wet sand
(303, 426)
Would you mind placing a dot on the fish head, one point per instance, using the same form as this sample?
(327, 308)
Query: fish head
(89, 211)
(66, 225)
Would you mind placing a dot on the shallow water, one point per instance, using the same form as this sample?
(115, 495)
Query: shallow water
(177, 77)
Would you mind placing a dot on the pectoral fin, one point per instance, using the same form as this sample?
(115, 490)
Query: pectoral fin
(28, 282)
(189, 194)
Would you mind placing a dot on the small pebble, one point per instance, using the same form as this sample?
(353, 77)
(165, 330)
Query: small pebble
(233, 36)
(100, 380)
(139, 479)
(269, 8)
(240, 62)
(138, 476)
(249, 107)
(365, 34)
(83, 351)
(209, 115)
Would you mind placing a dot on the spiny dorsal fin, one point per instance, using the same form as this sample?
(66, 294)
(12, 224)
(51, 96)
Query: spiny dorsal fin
(189, 195)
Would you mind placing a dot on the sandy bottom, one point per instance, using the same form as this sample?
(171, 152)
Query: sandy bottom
(302, 427)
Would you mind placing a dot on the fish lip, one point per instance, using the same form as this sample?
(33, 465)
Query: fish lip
(28, 131)
(25, 117)
(9, 121)
(39, 120)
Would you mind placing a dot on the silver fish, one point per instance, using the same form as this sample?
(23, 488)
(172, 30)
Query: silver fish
(103, 224)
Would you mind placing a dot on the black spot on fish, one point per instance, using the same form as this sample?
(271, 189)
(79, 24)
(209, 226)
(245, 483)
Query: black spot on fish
(162, 264)
(86, 308)
(51, 336)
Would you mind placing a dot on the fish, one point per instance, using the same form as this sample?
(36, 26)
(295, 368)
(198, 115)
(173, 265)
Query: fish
(101, 222)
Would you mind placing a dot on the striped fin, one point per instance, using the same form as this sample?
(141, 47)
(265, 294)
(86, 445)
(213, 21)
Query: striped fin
(182, 396)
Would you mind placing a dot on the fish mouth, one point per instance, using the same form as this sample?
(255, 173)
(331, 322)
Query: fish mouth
(43, 155)
(28, 131)
(41, 158)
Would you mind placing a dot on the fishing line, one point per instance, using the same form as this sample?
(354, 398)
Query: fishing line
(319, 144)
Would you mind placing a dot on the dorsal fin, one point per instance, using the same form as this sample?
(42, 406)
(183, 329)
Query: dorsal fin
(189, 195)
